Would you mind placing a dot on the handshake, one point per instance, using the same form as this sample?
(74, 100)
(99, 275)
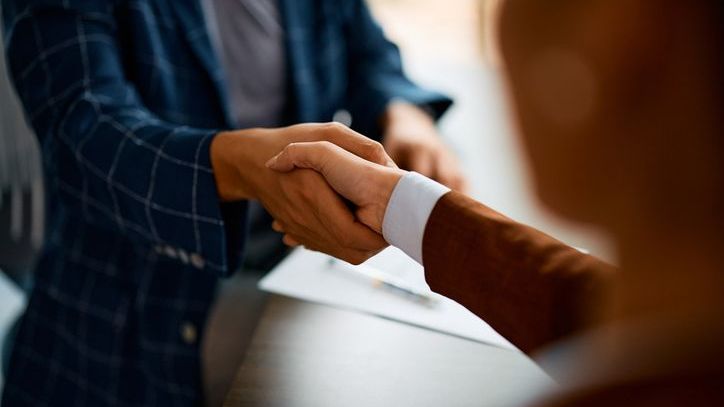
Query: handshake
(307, 175)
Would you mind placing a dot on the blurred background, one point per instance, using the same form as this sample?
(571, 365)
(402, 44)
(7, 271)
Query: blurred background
(448, 45)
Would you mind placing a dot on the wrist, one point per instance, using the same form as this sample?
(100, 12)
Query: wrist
(387, 184)
(232, 167)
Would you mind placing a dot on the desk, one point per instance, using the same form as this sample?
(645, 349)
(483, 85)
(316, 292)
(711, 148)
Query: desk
(304, 354)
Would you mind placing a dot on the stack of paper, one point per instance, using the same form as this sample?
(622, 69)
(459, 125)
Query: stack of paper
(316, 277)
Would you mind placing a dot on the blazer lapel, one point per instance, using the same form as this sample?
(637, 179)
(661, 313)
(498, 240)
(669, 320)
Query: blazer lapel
(191, 17)
(298, 17)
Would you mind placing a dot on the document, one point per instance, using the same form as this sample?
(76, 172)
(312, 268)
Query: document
(390, 285)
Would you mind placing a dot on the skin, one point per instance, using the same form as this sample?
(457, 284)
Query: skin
(366, 184)
(412, 140)
(303, 201)
(618, 110)
(297, 199)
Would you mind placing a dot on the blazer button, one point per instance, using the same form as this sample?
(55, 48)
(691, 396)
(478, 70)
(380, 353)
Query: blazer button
(183, 256)
(189, 333)
(171, 252)
(197, 261)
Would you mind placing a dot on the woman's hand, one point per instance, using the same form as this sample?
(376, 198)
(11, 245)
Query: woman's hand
(412, 140)
(366, 184)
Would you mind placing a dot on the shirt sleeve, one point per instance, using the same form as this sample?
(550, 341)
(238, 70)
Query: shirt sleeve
(408, 211)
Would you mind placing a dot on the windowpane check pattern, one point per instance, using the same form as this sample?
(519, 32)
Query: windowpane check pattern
(125, 97)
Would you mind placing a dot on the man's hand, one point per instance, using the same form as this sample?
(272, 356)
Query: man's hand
(238, 157)
(411, 139)
(366, 184)
(302, 201)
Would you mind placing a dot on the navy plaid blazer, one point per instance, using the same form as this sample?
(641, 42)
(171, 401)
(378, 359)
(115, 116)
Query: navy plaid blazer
(125, 97)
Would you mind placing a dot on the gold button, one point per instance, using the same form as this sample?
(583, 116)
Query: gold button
(189, 333)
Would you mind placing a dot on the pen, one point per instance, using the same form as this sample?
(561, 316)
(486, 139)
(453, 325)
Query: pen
(390, 283)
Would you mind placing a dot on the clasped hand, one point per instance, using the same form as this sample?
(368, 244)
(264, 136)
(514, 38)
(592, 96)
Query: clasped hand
(366, 184)
(314, 167)
(303, 203)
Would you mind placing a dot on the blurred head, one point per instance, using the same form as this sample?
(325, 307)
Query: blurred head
(619, 103)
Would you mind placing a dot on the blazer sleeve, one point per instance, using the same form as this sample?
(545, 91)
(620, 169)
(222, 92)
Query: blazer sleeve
(110, 161)
(528, 286)
(376, 75)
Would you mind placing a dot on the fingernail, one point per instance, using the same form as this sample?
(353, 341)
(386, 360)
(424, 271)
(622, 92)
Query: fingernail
(272, 161)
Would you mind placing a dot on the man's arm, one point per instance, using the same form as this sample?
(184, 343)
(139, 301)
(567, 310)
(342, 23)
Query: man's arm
(117, 165)
(530, 287)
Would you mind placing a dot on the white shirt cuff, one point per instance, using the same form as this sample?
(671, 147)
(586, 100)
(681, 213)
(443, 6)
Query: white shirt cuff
(410, 206)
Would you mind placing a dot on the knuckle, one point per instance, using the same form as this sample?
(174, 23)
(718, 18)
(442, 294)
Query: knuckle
(377, 151)
(335, 127)
(309, 195)
(297, 219)
(310, 187)
(326, 145)
(285, 186)
(292, 148)
(304, 190)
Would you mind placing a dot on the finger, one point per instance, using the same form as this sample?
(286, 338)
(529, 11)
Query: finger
(336, 217)
(352, 256)
(422, 162)
(360, 256)
(290, 241)
(358, 144)
(277, 226)
(449, 175)
(465, 187)
(311, 155)
(355, 257)
(459, 182)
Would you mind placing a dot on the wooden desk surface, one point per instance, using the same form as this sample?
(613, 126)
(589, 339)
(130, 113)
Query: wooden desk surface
(304, 354)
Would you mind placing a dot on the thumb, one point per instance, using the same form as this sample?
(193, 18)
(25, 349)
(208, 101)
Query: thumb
(312, 155)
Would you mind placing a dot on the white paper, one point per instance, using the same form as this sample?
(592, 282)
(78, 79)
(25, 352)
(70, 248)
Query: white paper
(316, 277)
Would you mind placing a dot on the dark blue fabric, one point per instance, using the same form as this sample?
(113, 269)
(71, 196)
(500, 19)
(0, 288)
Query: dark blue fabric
(125, 97)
